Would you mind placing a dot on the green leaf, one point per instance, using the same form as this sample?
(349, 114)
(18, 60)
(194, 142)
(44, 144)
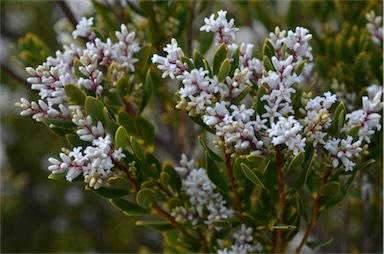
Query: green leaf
(94, 108)
(224, 70)
(136, 148)
(259, 103)
(214, 174)
(145, 198)
(75, 95)
(268, 49)
(110, 122)
(304, 170)
(58, 176)
(175, 180)
(283, 227)
(198, 59)
(148, 89)
(123, 87)
(256, 177)
(75, 141)
(108, 193)
(218, 58)
(330, 189)
(147, 131)
(211, 153)
(270, 173)
(364, 164)
(354, 131)
(63, 177)
(314, 245)
(329, 202)
(121, 137)
(105, 12)
(126, 120)
(159, 225)
(338, 118)
(299, 68)
(60, 123)
(296, 161)
(267, 63)
(128, 208)
(199, 121)
(235, 61)
(190, 64)
(143, 56)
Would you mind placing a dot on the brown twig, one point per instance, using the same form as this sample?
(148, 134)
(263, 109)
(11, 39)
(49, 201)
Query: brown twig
(278, 240)
(315, 211)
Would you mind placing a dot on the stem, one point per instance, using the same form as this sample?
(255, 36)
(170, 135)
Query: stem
(278, 240)
(315, 212)
(233, 182)
(155, 205)
(168, 217)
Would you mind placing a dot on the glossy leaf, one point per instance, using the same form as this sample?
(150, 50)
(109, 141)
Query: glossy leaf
(121, 138)
(218, 58)
(94, 108)
(123, 87)
(126, 120)
(147, 131)
(75, 141)
(296, 161)
(128, 207)
(75, 95)
(210, 153)
(224, 70)
(148, 89)
(108, 193)
(145, 198)
(198, 59)
(268, 49)
(330, 189)
(159, 225)
(267, 63)
(304, 170)
(136, 147)
(143, 56)
(256, 177)
(214, 174)
(175, 177)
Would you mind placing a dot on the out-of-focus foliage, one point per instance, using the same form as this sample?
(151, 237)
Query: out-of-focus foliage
(45, 216)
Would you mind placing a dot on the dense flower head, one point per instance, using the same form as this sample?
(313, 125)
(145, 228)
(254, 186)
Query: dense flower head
(206, 204)
(224, 29)
(243, 240)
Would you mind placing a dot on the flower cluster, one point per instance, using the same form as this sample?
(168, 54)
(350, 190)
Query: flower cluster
(206, 204)
(95, 163)
(224, 29)
(317, 118)
(86, 67)
(375, 27)
(367, 117)
(243, 239)
(242, 129)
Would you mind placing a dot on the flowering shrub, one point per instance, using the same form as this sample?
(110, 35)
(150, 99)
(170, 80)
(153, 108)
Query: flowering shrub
(271, 137)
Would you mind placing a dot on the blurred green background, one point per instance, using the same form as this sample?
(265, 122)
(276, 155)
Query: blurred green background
(40, 215)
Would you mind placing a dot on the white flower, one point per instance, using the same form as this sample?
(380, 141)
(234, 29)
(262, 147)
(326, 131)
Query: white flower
(224, 29)
(285, 131)
(375, 27)
(84, 29)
